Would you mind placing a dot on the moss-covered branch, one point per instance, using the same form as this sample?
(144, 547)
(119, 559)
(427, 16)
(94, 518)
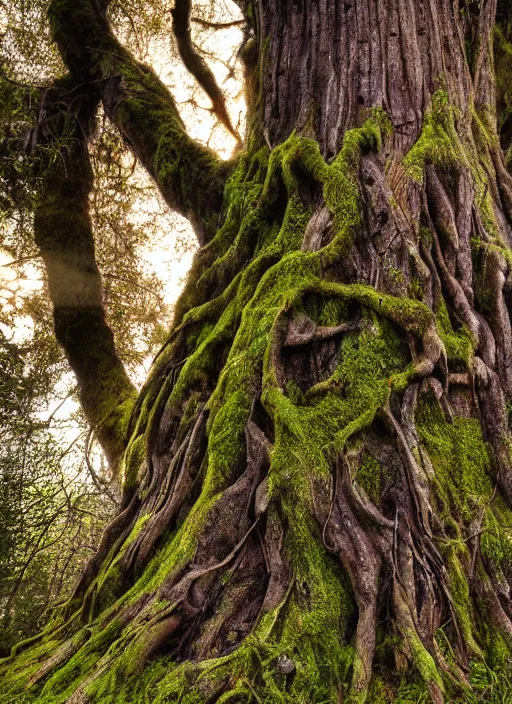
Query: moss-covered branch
(190, 177)
(63, 233)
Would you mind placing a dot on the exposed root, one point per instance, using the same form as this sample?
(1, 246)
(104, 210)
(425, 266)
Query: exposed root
(319, 468)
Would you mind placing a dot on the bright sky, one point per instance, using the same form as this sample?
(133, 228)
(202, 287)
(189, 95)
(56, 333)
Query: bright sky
(12, 291)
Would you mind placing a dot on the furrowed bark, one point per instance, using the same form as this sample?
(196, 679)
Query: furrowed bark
(503, 69)
(190, 177)
(63, 233)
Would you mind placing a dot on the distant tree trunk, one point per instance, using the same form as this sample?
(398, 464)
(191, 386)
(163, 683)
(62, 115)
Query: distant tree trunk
(318, 481)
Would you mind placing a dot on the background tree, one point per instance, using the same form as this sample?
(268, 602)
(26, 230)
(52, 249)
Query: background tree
(317, 479)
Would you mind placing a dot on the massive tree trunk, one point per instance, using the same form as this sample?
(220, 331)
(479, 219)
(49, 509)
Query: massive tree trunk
(317, 475)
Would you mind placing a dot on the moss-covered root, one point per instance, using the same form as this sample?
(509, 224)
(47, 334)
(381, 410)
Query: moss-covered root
(314, 514)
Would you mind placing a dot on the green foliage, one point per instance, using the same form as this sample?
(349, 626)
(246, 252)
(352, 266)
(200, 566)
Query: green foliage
(50, 516)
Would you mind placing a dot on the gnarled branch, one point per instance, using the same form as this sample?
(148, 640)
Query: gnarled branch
(189, 176)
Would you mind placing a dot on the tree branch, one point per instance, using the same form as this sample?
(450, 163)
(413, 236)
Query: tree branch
(197, 65)
(217, 25)
(190, 177)
(63, 233)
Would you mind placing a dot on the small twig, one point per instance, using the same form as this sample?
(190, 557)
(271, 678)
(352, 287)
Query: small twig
(131, 282)
(195, 575)
(19, 84)
(21, 260)
(217, 25)
(59, 406)
(485, 530)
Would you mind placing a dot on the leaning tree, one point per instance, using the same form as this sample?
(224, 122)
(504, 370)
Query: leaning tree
(317, 474)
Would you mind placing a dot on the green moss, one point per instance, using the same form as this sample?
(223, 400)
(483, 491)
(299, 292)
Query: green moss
(459, 345)
(294, 393)
(464, 490)
(457, 557)
(423, 660)
(290, 272)
(190, 177)
(496, 538)
(341, 193)
(369, 477)
(132, 461)
(489, 258)
(440, 144)
(226, 449)
(137, 528)
(326, 311)
(438, 141)
(335, 409)
(460, 459)
(415, 289)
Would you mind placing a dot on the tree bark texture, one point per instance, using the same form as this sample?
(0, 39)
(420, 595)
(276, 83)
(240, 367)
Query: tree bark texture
(318, 479)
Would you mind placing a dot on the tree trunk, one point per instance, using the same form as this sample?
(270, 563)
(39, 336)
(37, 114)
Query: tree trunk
(318, 482)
